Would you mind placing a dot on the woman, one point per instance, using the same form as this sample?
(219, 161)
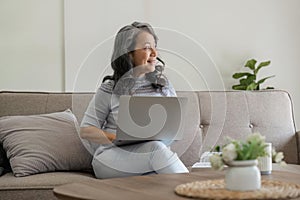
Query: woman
(137, 71)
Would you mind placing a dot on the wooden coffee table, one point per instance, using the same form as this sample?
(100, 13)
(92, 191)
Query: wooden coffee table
(155, 187)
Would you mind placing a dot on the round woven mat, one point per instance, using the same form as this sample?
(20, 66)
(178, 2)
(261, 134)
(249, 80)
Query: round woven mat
(214, 189)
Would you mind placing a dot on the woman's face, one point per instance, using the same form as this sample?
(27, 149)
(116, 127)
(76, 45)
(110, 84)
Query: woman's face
(144, 55)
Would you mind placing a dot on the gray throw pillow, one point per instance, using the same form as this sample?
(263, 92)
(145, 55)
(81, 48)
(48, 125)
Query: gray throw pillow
(43, 143)
(4, 162)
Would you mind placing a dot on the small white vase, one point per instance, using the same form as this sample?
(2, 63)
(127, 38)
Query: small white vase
(243, 175)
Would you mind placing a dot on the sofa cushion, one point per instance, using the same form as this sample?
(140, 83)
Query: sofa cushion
(43, 180)
(43, 143)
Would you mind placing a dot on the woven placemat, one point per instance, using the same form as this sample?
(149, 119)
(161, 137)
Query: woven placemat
(214, 189)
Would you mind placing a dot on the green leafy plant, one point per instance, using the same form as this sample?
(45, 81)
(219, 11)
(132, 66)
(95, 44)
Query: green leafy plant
(248, 79)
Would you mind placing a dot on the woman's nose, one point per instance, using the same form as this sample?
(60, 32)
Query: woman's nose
(153, 52)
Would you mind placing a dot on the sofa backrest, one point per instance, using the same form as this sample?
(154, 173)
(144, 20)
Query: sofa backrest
(237, 114)
(211, 116)
(30, 103)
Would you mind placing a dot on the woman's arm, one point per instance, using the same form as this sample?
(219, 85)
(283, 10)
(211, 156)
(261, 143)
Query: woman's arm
(96, 135)
(96, 114)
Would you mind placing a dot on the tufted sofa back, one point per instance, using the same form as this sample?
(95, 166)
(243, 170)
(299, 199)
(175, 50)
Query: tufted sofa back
(237, 114)
(211, 116)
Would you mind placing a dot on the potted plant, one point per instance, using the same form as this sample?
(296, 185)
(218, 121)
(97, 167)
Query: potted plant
(241, 159)
(248, 80)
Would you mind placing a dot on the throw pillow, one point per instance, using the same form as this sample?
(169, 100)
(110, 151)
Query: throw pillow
(43, 143)
(4, 162)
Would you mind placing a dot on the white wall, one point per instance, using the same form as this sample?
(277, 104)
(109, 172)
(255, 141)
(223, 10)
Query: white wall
(89, 27)
(31, 45)
(202, 41)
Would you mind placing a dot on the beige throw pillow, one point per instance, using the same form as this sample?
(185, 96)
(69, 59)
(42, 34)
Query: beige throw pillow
(43, 143)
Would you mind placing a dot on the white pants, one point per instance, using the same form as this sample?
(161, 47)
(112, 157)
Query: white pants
(137, 159)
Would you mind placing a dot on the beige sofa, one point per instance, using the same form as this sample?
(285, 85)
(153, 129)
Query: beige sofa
(211, 117)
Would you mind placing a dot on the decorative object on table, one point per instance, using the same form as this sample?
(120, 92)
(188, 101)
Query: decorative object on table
(277, 157)
(265, 163)
(204, 160)
(215, 189)
(243, 175)
(248, 79)
(241, 159)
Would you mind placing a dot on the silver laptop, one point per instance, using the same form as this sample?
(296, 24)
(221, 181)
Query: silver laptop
(144, 118)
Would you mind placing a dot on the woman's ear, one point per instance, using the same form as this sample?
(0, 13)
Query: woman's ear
(130, 54)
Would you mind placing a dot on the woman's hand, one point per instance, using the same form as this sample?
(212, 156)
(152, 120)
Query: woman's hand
(96, 135)
(110, 136)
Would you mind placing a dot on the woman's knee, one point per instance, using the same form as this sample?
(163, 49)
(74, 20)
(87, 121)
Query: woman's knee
(102, 166)
(103, 170)
(98, 168)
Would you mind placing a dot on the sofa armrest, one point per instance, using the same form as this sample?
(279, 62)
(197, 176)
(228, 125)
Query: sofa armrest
(298, 145)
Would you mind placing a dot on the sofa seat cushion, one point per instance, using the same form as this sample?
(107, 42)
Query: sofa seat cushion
(43, 180)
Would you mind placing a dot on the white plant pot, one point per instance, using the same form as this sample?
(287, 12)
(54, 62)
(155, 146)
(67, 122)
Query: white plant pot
(243, 175)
